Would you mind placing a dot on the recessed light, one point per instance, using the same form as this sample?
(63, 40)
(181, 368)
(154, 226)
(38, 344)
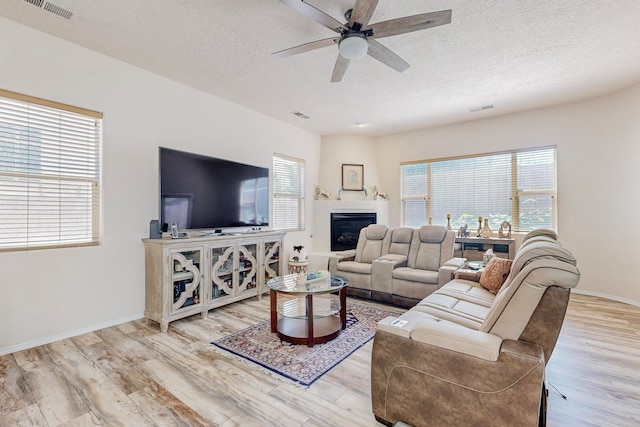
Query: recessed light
(359, 125)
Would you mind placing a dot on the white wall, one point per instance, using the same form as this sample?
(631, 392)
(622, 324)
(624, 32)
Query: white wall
(598, 159)
(338, 150)
(598, 182)
(50, 294)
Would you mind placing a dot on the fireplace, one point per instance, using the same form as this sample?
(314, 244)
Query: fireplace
(345, 228)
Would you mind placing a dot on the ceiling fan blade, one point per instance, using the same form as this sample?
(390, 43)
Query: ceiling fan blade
(316, 15)
(339, 69)
(362, 12)
(306, 47)
(386, 56)
(410, 23)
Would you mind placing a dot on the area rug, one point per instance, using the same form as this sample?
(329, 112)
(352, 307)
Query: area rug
(299, 363)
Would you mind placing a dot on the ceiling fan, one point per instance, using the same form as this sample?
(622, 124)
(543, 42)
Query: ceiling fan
(357, 37)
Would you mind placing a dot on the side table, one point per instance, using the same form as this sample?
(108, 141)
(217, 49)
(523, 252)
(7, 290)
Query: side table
(472, 270)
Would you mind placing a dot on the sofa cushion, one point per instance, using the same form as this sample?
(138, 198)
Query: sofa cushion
(541, 232)
(372, 250)
(433, 234)
(376, 231)
(371, 243)
(537, 250)
(402, 235)
(515, 303)
(468, 290)
(415, 275)
(452, 309)
(431, 330)
(428, 257)
(495, 274)
(401, 241)
(354, 267)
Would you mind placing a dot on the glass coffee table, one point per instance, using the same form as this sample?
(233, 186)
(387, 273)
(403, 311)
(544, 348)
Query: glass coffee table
(308, 312)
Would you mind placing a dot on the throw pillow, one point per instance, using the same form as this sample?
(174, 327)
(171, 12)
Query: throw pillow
(495, 274)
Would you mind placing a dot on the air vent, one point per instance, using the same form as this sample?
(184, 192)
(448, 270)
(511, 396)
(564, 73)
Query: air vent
(484, 107)
(50, 7)
(301, 115)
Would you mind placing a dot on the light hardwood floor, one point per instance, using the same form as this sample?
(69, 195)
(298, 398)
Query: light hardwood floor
(133, 375)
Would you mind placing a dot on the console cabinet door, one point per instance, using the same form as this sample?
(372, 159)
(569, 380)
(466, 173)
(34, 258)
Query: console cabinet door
(186, 279)
(271, 262)
(222, 272)
(247, 267)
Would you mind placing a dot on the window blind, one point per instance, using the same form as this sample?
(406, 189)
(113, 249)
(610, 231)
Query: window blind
(288, 193)
(515, 186)
(49, 174)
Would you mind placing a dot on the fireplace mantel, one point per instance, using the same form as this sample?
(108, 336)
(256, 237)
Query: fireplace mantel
(322, 210)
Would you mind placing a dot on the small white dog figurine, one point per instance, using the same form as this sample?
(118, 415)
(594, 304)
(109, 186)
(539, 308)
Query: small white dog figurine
(322, 194)
(378, 195)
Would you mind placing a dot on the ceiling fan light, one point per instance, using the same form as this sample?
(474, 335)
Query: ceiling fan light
(354, 46)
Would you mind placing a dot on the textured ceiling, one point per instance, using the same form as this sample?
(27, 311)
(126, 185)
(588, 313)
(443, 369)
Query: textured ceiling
(511, 54)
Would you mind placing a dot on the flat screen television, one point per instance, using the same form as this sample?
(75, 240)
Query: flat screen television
(202, 192)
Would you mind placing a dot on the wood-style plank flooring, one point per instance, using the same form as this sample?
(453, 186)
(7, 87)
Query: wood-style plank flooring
(133, 375)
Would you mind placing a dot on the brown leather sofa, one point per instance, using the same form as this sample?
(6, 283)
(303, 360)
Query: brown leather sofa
(468, 357)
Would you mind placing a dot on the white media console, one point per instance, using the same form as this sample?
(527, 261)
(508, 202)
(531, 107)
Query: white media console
(191, 276)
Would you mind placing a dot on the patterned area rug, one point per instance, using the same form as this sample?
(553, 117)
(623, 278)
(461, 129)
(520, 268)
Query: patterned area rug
(300, 363)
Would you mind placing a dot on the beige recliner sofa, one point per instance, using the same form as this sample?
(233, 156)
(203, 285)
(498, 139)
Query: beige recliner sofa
(399, 266)
(355, 265)
(468, 357)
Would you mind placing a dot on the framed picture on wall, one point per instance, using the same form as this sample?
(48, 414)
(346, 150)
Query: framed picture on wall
(352, 177)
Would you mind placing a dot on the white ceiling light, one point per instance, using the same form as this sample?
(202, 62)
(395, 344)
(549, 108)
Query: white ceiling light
(353, 46)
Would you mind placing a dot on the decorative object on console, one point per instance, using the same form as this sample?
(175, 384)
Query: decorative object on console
(353, 177)
(155, 231)
(322, 194)
(430, 220)
(463, 232)
(479, 226)
(448, 221)
(486, 231)
(505, 229)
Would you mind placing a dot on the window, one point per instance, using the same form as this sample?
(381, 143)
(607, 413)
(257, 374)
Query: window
(288, 193)
(49, 174)
(515, 186)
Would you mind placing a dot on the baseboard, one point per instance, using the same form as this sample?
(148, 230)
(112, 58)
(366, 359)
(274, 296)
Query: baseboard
(68, 334)
(606, 296)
